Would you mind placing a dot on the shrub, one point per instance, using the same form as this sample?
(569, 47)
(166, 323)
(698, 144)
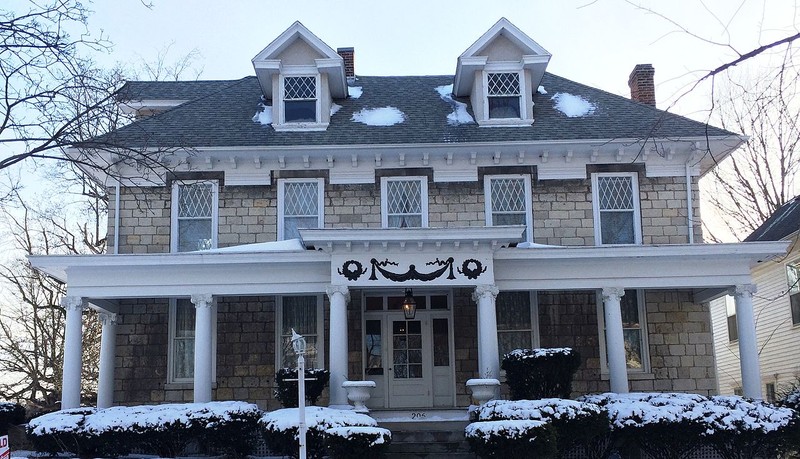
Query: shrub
(286, 393)
(357, 442)
(512, 438)
(10, 414)
(540, 373)
(66, 431)
(280, 428)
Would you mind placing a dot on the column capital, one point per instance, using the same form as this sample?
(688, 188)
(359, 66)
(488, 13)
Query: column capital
(743, 289)
(613, 292)
(72, 302)
(202, 300)
(107, 318)
(484, 290)
(341, 289)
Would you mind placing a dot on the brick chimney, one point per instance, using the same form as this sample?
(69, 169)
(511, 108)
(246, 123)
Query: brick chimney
(348, 54)
(641, 82)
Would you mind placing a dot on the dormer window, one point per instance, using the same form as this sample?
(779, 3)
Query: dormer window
(300, 99)
(504, 98)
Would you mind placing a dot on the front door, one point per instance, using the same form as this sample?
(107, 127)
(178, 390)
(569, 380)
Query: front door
(410, 362)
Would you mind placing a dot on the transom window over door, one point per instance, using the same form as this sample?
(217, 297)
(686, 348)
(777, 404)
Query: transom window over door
(300, 206)
(615, 201)
(503, 95)
(508, 201)
(194, 216)
(404, 202)
(300, 99)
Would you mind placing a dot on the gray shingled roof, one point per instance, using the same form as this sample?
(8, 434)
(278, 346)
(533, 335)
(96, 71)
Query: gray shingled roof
(785, 221)
(222, 112)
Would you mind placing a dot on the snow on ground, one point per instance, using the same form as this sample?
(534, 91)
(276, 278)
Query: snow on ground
(571, 105)
(263, 116)
(384, 116)
(289, 245)
(459, 114)
(354, 91)
(335, 108)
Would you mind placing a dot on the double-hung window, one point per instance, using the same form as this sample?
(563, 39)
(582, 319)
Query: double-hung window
(634, 330)
(615, 201)
(517, 321)
(181, 340)
(304, 315)
(194, 215)
(730, 313)
(404, 202)
(300, 99)
(300, 206)
(508, 201)
(793, 278)
(503, 95)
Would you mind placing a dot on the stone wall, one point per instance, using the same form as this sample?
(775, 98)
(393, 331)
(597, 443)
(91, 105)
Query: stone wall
(562, 212)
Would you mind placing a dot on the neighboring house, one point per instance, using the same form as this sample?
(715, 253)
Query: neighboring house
(776, 306)
(516, 207)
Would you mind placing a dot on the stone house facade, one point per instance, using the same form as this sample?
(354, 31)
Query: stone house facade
(512, 207)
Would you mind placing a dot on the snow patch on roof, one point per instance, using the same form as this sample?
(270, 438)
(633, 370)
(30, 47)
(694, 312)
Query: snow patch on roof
(263, 116)
(460, 114)
(384, 116)
(533, 245)
(354, 91)
(571, 105)
(289, 245)
(541, 90)
(335, 108)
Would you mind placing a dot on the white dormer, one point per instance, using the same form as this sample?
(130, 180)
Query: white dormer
(500, 73)
(301, 75)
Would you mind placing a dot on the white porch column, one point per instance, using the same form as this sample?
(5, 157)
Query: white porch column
(339, 296)
(73, 347)
(615, 340)
(488, 349)
(202, 347)
(748, 347)
(108, 344)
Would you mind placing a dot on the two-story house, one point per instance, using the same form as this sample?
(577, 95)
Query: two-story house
(413, 228)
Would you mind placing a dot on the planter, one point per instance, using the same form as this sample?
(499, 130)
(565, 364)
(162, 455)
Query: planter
(359, 392)
(483, 390)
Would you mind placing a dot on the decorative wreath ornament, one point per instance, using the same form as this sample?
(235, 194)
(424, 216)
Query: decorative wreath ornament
(472, 268)
(352, 270)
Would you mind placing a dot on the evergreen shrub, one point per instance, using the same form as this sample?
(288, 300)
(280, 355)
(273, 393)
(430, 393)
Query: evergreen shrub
(540, 373)
(286, 380)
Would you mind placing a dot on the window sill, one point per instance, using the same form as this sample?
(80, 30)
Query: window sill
(505, 122)
(632, 376)
(184, 386)
(289, 127)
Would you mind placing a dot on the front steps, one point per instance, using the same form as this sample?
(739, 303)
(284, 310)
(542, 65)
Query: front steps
(440, 435)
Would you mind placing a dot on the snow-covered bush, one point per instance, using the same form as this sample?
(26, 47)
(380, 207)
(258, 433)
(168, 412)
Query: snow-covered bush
(165, 430)
(512, 438)
(10, 414)
(357, 442)
(540, 373)
(280, 428)
(286, 380)
(577, 425)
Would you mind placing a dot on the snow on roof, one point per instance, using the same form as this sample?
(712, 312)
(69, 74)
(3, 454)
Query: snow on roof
(384, 116)
(264, 116)
(533, 245)
(459, 114)
(335, 108)
(571, 105)
(354, 91)
(541, 90)
(289, 245)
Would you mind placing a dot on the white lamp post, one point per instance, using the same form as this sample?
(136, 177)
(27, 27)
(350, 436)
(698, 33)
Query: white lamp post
(299, 346)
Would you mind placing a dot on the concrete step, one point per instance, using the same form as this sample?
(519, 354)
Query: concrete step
(427, 439)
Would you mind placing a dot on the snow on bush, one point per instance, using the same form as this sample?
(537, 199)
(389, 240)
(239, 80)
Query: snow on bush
(540, 373)
(357, 442)
(511, 438)
(539, 410)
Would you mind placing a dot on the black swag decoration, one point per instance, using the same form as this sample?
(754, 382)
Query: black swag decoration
(412, 273)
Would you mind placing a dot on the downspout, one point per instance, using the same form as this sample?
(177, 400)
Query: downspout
(689, 203)
(116, 218)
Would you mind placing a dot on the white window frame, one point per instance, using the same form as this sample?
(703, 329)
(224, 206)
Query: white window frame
(732, 329)
(281, 201)
(640, 300)
(793, 288)
(524, 96)
(173, 305)
(281, 124)
(321, 362)
(423, 198)
(637, 215)
(174, 212)
(534, 330)
(487, 189)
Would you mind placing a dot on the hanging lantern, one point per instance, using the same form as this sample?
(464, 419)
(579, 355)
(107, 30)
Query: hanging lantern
(409, 305)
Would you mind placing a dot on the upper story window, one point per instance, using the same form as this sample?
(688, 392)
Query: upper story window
(508, 201)
(300, 99)
(194, 215)
(504, 95)
(793, 277)
(304, 315)
(300, 206)
(404, 202)
(615, 201)
(634, 330)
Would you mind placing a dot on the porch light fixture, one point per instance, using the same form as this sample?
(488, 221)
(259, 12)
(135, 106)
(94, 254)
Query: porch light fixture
(409, 305)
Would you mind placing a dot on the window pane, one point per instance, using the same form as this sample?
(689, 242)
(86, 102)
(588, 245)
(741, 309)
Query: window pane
(183, 344)
(300, 111)
(504, 107)
(194, 235)
(405, 221)
(439, 302)
(633, 347)
(615, 193)
(794, 299)
(195, 200)
(301, 198)
(374, 348)
(184, 319)
(304, 87)
(503, 84)
(404, 197)
(617, 227)
(629, 307)
(441, 343)
(299, 313)
(508, 195)
(513, 311)
(509, 341)
(793, 277)
(508, 219)
(292, 225)
(733, 331)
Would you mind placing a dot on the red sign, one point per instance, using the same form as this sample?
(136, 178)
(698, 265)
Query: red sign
(5, 451)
